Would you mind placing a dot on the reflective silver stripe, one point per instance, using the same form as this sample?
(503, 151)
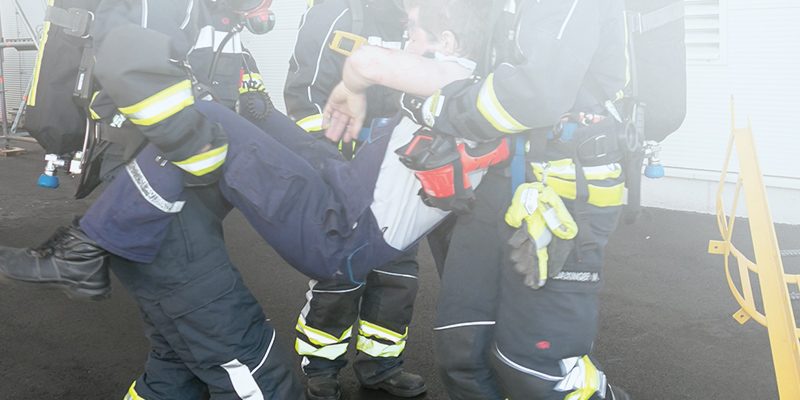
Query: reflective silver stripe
(242, 380)
(144, 13)
(339, 291)
(465, 324)
(266, 353)
(528, 371)
(566, 21)
(205, 163)
(188, 15)
(210, 37)
(161, 105)
(147, 191)
(395, 274)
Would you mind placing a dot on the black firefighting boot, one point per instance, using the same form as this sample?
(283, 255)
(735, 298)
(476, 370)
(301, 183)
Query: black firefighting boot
(323, 387)
(69, 260)
(402, 384)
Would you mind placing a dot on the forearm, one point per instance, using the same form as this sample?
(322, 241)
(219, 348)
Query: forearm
(398, 70)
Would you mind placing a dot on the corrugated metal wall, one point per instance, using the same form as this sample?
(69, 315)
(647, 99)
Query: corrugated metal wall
(18, 66)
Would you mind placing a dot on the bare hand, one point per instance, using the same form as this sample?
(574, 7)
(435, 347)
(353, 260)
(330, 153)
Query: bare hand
(344, 114)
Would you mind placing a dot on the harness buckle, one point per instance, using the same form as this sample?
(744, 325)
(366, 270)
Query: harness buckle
(346, 43)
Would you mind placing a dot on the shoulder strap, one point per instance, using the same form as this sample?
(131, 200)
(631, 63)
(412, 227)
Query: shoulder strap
(357, 11)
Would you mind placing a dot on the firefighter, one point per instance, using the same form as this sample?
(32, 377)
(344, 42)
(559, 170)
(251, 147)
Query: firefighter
(517, 311)
(208, 334)
(380, 309)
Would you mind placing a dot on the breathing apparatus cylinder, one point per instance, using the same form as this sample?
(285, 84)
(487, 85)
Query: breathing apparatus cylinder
(48, 179)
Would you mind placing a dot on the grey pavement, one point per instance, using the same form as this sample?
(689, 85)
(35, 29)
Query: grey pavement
(666, 330)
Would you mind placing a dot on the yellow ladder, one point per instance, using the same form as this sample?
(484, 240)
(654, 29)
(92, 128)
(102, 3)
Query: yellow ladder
(778, 316)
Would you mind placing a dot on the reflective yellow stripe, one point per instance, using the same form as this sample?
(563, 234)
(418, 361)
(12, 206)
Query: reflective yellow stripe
(369, 329)
(38, 68)
(378, 349)
(311, 123)
(93, 114)
(607, 196)
(590, 382)
(252, 82)
(494, 112)
(331, 352)
(341, 144)
(561, 178)
(319, 337)
(565, 169)
(162, 105)
(132, 395)
(600, 196)
(204, 163)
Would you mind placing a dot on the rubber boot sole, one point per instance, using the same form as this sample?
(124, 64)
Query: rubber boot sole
(73, 291)
(395, 391)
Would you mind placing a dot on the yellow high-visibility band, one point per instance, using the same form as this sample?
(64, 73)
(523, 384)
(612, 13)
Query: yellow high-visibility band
(321, 338)
(565, 169)
(600, 196)
(93, 114)
(311, 123)
(204, 163)
(377, 349)
(161, 105)
(38, 67)
(494, 112)
(590, 382)
(607, 196)
(132, 395)
(252, 82)
(368, 329)
(331, 352)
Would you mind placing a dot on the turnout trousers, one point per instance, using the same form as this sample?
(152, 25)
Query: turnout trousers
(499, 339)
(378, 312)
(207, 333)
(310, 205)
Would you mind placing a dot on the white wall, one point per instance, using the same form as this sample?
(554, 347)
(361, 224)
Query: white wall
(273, 50)
(760, 66)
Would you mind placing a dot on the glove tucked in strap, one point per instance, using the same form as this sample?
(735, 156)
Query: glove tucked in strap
(542, 242)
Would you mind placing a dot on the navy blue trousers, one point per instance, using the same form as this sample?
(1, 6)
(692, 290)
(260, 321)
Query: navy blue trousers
(307, 202)
(208, 335)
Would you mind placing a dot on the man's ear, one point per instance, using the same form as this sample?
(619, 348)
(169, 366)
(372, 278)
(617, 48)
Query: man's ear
(449, 42)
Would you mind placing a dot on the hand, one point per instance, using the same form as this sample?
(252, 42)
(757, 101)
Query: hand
(344, 114)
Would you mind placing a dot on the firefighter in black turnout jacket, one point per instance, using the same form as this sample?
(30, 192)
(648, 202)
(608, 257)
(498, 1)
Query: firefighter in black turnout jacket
(208, 334)
(380, 308)
(517, 313)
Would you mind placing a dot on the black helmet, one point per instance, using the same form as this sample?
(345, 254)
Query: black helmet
(256, 15)
(244, 6)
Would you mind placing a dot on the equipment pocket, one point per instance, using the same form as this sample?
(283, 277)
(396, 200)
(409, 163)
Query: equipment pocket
(212, 314)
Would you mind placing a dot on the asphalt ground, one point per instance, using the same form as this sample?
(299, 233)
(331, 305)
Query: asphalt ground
(666, 330)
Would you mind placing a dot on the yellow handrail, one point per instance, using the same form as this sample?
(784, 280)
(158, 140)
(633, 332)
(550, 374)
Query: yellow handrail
(778, 316)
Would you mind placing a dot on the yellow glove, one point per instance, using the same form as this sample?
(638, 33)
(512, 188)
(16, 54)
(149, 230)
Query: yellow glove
(541, 218)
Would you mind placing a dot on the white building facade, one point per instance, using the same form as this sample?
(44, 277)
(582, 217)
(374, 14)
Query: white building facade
(749, 49)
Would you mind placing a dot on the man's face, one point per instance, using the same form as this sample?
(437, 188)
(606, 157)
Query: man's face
(420, 41)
